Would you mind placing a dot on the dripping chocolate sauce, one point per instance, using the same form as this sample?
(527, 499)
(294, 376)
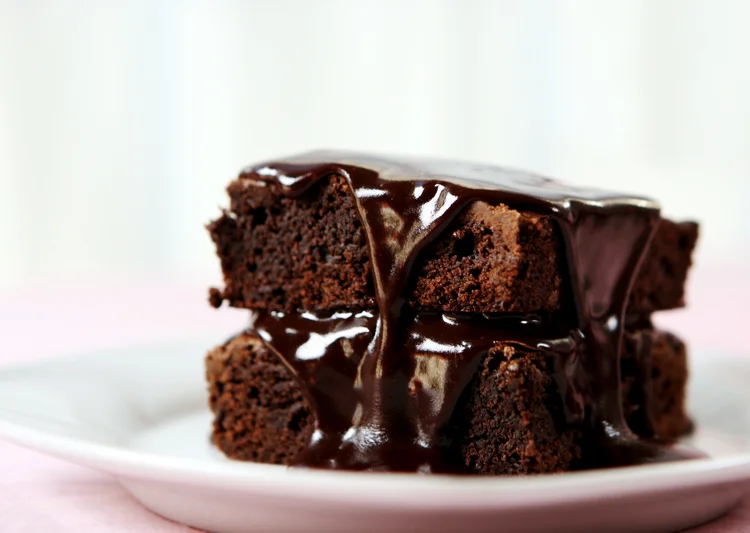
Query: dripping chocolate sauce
(382, 383)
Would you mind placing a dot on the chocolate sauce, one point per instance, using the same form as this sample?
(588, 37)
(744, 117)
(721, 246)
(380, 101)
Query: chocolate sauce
(382, 384)
(444, 351)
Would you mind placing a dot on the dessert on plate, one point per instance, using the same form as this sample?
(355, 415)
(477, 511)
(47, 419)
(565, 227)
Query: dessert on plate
(424, 315)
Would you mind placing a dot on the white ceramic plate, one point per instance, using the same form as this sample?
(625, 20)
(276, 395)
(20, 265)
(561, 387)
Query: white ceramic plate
(140, 414)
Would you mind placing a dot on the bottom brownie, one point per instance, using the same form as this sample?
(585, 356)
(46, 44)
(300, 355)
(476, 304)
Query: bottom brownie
(508, 421)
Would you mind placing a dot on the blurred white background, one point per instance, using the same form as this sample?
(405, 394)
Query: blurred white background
(121, 122)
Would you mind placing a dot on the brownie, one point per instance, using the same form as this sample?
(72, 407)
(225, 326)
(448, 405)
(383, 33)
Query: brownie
(661, 279)
(260, 412)
(422, 315)
(310, 253)
(654, 372)
(509, 419)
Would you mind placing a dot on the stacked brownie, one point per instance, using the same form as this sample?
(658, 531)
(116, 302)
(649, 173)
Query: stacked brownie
(522, 389)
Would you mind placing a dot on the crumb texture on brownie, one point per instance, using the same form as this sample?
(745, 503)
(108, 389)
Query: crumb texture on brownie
(661, 280)
(654, 376)
(509, 420)
(491, 259)
(260, 412)
(285, 254)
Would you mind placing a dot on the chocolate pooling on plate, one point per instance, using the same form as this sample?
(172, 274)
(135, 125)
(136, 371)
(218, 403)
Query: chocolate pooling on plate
(383, 383)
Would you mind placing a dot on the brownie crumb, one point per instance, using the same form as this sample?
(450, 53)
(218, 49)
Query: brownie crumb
(215, 298)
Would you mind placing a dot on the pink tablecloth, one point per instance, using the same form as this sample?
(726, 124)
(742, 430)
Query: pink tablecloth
(38, 493)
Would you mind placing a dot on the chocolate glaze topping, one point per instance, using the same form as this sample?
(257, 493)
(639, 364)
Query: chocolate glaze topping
(383, 383)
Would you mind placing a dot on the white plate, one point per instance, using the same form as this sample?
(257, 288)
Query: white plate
(140, 414)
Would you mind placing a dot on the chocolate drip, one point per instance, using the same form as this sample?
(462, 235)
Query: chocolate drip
(443, 350)
(383, 384)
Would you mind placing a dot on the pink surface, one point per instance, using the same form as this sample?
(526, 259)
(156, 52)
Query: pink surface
(38, 493)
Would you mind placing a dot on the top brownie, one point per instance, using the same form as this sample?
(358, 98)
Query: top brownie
(310, 253)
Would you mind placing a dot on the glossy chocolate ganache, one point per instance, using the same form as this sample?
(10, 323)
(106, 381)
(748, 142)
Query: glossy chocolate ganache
(382, 383)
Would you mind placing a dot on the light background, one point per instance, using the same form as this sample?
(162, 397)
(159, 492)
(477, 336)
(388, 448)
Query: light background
(121, 122)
